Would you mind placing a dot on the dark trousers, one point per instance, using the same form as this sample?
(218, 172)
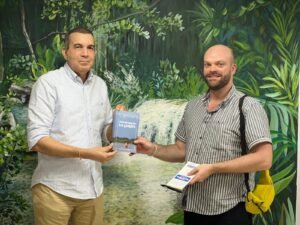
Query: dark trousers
(235, 216)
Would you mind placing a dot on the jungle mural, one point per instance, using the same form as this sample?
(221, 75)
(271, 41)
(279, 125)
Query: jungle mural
(149, 52)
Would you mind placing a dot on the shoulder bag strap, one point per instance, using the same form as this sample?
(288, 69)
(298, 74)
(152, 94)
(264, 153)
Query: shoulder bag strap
(243, 137)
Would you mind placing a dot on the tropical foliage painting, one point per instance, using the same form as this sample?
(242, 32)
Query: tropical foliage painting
(149, 52)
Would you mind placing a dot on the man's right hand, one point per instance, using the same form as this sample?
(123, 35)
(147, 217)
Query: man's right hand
(103, 154)
(144, 146)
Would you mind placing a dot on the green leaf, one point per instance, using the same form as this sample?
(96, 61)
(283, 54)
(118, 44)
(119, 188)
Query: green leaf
(283, 183)
(52, 17)
(176, 218)
(283, 173)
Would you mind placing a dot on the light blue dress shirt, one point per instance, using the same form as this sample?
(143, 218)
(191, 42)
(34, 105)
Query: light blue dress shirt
(74, 113)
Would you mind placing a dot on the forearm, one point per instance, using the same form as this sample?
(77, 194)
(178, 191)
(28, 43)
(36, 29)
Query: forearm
(253, 161)
(49, 146)
(169, 153)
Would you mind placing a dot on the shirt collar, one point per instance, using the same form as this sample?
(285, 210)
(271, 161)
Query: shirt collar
(232, 91)
(74, 76)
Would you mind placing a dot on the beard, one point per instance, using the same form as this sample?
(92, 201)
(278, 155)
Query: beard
(224, 80)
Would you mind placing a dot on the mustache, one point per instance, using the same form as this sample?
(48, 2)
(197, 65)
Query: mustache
(213, 74)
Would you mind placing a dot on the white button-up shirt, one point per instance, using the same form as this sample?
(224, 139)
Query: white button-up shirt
(74, 113)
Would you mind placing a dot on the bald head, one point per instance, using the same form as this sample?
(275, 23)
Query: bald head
(220, 52)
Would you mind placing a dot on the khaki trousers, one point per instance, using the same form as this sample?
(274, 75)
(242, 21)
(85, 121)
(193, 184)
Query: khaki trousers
(51, 208)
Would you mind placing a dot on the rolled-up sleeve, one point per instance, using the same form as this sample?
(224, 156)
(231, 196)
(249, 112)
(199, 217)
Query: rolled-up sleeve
(41, 111)
(257, 124)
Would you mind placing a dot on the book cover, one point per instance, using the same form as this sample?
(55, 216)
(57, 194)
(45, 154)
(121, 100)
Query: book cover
(125, 130)
(181, 179)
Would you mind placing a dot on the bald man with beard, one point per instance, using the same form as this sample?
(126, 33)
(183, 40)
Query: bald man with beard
(208, 134)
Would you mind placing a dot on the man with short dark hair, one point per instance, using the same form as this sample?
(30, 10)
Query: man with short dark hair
(69, 116)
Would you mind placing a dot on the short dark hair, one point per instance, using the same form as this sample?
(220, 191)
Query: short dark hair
(81, 30)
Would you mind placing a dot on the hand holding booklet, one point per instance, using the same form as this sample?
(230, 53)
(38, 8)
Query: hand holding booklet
(181, 179)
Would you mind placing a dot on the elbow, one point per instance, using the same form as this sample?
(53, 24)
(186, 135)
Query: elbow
(39, 145)
(267, 161)
(264, 155)
(267, 164)
(35, 148)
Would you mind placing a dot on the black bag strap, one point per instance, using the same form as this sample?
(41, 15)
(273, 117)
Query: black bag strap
(243, 137)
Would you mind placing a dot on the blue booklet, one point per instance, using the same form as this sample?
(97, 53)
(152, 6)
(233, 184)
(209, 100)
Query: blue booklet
(125, 130)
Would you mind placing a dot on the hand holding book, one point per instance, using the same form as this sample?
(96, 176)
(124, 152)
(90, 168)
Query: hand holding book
(181, 179)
